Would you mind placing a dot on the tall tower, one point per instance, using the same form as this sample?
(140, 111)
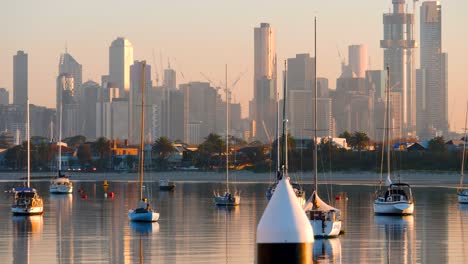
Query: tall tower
(68, 65)
(20, 78)
(432, 78)
(120, 59)
(399, 44)
(358, 60)
(265, 90)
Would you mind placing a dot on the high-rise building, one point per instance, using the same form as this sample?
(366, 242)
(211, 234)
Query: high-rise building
(199, 111)
(399, 44)
(432, 90)
(68, 65)
(265, 86)
(89, 98)
(120, 59)
(20, 78)
(301, 73)
(67, 107)
(170, 80)
(4, 96)
(358, 60)
(134, 113)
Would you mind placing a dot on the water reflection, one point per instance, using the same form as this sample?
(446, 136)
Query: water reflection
(399, 238)
(140, 228)
(26, 230)
(327, 251)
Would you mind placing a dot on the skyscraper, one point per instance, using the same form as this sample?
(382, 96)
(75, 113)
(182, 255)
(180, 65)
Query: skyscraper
(398, 44)
(120, 59)
(68, 65)
(67, 107)
(265, 91)
(4, 96)
(358, 60)
(432, 77)
(20, 78)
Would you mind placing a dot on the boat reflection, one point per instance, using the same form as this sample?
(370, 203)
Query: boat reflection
(400, 241)
(28, 225)
(143, 228)
(327, 251)
(27, 229)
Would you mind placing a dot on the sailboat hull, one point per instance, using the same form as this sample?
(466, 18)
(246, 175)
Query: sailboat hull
(19, 210)
(325, 229)
(148, 216)
(393, 208)
(463, 197)
(60, 189)
(223, 200)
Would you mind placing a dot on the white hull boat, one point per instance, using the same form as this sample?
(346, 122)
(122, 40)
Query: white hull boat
(27, 202)
(393, 208)
(37, 210)
(395, 201)
(61, 185)
(166, 185)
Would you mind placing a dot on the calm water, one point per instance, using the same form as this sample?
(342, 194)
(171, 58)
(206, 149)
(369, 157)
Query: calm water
(192, 230)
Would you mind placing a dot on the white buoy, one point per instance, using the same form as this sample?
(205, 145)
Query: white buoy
(284, 234)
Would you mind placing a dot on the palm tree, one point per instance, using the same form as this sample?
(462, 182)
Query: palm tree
(163, 147)
(359, 140)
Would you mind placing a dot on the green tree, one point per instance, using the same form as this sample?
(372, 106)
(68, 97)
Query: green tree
(103, 147)
(359, 141)
(75, 141)
(85, 154)
(346, 135)
(437, 144)
(213, 144)
(163, 147)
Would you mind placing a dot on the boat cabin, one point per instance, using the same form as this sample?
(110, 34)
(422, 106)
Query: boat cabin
(396, 193)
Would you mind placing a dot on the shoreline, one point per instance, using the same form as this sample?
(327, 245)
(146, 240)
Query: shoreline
(414, 178)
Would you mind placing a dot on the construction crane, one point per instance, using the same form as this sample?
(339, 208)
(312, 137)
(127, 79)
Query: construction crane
(155, 69)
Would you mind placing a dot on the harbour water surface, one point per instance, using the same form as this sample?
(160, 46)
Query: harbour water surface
(192, 230)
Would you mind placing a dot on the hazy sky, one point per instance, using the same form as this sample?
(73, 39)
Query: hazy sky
(204, 35)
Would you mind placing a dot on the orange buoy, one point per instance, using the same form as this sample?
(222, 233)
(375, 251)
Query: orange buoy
(111, 194)
(338, 198)
(84, 196)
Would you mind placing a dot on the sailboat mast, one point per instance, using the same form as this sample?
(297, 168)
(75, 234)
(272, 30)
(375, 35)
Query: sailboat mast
(60, 137)
(142, 128)
(227, 132)
(464, 148)
(387, 131)
(278, 166)
(29, 139)
(315, 107)
(284, 157)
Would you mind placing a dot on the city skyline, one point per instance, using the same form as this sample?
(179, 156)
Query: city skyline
(44, 35)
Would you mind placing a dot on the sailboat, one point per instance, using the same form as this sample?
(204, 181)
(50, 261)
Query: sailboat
(228, 198)
(398, 198)
(61, 184)
(27, 200)
(463, 192)
(324, 218)
(143, 212)
(298, 190)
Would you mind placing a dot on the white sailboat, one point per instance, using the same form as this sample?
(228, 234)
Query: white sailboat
(227, 198)
(27, 200)
(60, 184)
(325, 219)
(463, 191)
(397, 199)
(143, 212)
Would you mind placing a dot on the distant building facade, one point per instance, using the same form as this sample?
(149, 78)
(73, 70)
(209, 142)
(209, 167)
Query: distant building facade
(4, 96)
(20, 78)
(265, 82)
(120, 59)
(432, 84)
